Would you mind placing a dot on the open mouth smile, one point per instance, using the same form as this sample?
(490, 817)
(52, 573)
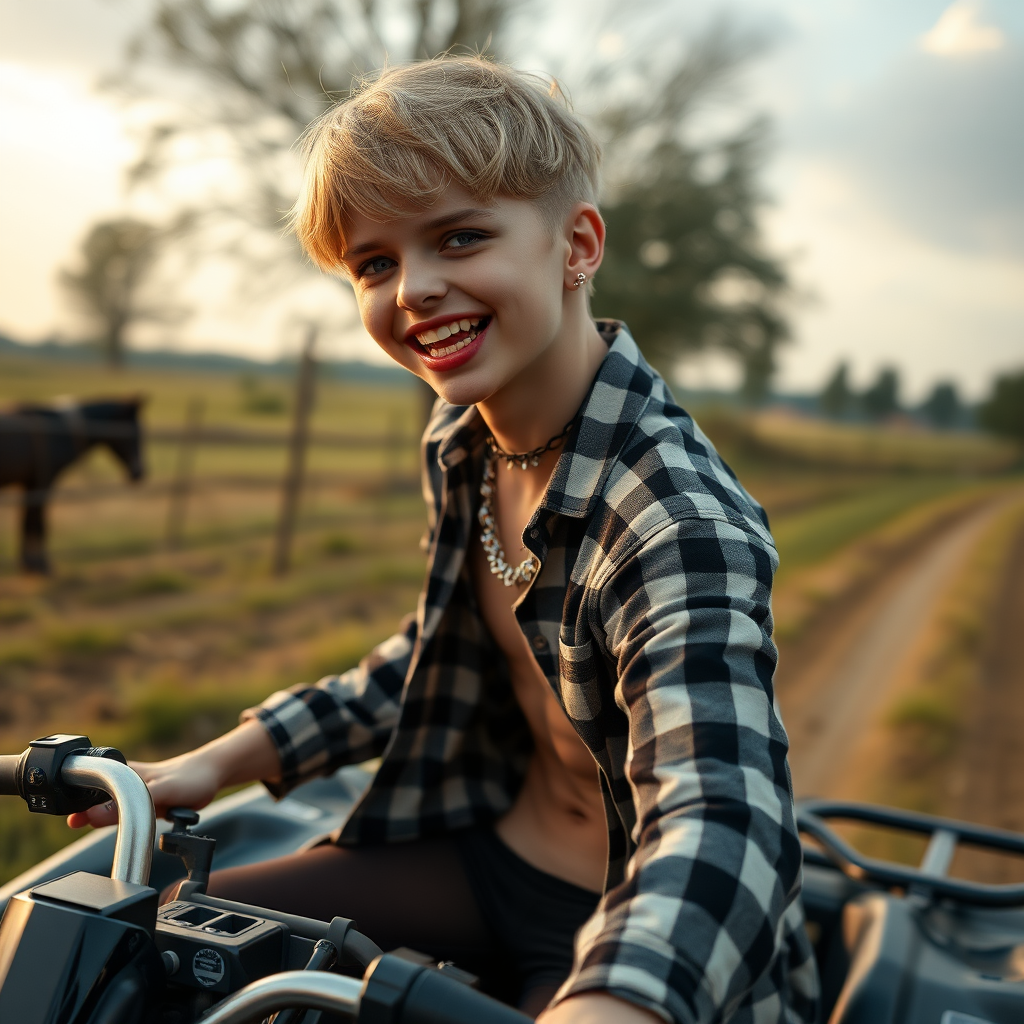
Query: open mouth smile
(449, 344)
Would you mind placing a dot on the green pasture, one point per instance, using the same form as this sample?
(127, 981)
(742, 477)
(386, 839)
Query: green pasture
(157, 650)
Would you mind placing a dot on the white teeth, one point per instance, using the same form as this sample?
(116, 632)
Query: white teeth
(438, 353)
(445, 331)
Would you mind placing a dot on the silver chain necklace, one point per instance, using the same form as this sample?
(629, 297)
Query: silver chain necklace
(508, 574)
(532, 457)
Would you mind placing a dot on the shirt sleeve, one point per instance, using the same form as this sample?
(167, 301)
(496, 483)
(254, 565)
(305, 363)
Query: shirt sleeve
(698, 926)
(342, 719)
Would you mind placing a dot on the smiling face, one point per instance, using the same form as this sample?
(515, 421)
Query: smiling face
(467, 295)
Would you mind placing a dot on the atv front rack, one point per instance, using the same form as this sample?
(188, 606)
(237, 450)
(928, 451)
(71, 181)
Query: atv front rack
(930, 877)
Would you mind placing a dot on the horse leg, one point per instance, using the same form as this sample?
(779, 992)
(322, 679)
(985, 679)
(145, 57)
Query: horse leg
(33, 531)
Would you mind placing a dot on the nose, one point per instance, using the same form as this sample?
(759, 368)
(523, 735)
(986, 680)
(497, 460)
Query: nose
(421, 286)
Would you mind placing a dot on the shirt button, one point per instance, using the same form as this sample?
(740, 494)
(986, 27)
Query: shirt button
(539, 643)
(535, 533)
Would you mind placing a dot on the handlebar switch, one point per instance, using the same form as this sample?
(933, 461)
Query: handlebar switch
(195, 851)
(39, 779)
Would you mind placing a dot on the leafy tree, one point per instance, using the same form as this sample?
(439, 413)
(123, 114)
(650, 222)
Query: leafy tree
(109, 287)
(942, 407)
(882, 399)
(685, 266)
(1003, 411)
(837, 399)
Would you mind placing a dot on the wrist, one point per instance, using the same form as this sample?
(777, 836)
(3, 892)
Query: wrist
(246, 754)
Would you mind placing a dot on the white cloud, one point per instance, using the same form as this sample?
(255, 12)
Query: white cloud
(959, 31)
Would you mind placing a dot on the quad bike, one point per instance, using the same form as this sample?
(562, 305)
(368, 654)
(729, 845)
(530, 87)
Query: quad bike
(83, 942)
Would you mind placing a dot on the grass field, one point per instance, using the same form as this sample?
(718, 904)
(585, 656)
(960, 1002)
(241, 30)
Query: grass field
(157, 650)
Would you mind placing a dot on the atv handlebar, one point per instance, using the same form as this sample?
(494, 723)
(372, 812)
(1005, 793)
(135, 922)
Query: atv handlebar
(394, 991)
(136, 830)
(313, 990)
(64, 773)
(9, 775)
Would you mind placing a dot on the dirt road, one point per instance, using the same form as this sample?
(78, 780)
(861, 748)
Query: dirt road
(844, 670)
(992, 784)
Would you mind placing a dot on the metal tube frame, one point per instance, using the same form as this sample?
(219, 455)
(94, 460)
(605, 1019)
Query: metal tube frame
(315, 990)
(136, 828)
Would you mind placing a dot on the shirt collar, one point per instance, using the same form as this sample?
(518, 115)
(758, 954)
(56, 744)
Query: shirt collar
(616, 400)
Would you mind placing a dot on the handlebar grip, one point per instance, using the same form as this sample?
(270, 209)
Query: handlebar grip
(9, 774)
(435, 999)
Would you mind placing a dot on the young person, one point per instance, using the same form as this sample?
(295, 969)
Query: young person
(576, 726)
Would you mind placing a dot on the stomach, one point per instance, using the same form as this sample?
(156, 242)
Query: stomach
(557, 824)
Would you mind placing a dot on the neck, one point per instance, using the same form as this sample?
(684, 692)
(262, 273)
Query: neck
(537, 404)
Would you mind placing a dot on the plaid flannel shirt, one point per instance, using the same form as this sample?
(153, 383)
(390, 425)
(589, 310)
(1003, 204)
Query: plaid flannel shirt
(651, 619)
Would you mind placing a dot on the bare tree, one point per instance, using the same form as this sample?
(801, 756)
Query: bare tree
(109, 286)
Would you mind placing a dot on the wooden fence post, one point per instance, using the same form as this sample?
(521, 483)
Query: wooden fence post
(182, 482)
(292, 485)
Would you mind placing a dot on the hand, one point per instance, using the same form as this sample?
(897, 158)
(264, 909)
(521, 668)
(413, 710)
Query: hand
(189, 780)
(597, 1008)
(194, 779)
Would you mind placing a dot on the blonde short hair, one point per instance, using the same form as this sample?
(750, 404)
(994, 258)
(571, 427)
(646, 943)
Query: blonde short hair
(409, 132)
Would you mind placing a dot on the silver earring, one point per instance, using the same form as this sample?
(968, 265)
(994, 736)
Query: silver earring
(580, 279)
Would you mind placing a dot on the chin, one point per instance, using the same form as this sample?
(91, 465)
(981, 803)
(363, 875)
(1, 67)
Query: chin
(462, 392)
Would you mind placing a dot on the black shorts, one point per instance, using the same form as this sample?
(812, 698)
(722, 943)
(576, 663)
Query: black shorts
(532, 915)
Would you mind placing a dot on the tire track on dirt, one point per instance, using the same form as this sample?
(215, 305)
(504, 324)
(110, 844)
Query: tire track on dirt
(831, 695)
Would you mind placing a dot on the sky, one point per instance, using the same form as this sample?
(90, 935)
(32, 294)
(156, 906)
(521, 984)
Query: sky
(896, 180)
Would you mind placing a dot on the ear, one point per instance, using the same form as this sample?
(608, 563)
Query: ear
(584, 231)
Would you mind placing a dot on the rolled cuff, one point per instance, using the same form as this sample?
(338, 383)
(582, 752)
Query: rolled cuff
(291, 728)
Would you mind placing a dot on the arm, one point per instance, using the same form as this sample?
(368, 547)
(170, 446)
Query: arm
(193, 779)
(292, 735)
(339, 720)
(696, 928)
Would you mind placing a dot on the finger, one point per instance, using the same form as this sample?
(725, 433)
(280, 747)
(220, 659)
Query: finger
(102, 814)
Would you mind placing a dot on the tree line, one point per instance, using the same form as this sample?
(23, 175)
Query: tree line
(1001, 412)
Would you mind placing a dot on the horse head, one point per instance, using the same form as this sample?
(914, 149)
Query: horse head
(115, 422)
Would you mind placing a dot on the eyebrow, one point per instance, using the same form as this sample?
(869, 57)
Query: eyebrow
(470, 213)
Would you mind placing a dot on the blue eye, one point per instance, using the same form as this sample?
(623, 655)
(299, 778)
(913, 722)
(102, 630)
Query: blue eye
(378, 265)
(463, 238)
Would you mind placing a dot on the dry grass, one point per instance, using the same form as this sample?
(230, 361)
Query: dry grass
(157, 650)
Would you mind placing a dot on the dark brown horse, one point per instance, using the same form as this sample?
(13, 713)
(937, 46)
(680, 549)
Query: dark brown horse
(37, 442)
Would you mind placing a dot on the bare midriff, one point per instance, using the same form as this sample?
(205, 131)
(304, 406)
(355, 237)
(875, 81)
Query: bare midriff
(557, 822)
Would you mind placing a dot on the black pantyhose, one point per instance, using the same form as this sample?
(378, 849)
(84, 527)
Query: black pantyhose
(402, 894)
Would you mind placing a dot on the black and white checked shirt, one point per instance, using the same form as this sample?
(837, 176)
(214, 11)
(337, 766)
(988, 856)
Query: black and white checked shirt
(651, 618)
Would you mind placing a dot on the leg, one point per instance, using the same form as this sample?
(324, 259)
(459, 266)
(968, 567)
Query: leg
(402, 894)
(33, 530)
